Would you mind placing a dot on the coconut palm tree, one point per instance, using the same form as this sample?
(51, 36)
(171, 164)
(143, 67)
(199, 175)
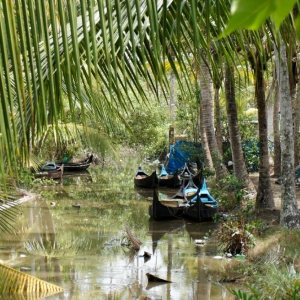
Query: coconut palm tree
(255, 19)
(289, 215)
(240, 170)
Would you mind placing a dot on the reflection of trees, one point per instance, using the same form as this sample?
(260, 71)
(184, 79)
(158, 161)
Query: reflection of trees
(47, 246)
(203, 285)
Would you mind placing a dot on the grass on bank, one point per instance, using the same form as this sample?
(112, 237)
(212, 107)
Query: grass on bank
(271, 269)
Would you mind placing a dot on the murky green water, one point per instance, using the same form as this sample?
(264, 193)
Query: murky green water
(72, 236)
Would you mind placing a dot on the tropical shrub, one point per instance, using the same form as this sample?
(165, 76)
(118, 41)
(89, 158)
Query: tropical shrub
(147, 130)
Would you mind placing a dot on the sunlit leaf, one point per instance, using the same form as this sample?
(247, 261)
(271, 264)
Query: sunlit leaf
(252, 14)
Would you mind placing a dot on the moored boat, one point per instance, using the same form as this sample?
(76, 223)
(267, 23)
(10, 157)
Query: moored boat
(168, 208)
(144, 180)
(189, 202)
(167, 180)
(68, 167)
(75, 167)
(50, 174)
(202, 206)
(186, 172)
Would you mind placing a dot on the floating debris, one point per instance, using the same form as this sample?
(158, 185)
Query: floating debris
(147, 254)
(154, 278)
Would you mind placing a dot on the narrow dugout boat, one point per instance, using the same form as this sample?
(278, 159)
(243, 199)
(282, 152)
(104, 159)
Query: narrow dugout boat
(76, 167)
(144, 180)
(202, 206)
(189, 202)
(167, 180)
(186, 172)
(50, 174)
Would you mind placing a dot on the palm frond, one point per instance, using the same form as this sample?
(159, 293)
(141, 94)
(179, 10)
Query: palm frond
(19, 283)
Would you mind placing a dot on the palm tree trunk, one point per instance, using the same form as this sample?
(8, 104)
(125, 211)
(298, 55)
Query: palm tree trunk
(219, 135)
(172, 96)
(296, 126)
(239, 165)
(289, 215)
(206, 153)
(264, 198)
(207, 103)
(277, 149)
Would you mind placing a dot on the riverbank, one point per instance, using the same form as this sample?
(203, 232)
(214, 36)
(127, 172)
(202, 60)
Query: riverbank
(272, 265)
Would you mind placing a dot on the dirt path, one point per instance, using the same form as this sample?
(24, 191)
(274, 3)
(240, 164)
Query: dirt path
(276, 190)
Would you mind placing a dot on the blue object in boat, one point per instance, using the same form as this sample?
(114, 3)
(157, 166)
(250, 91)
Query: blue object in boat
(205, 196)
(49, 166)
(163, 171)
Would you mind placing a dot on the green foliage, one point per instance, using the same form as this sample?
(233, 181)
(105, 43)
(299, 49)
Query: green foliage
(276, 281)
(25, 178)
(235, 235)
(209, 172)
(188, 115)
(250, 145)
(229, 191)
(252, 14)
(148, 129)
(246, 295)
(236, 232)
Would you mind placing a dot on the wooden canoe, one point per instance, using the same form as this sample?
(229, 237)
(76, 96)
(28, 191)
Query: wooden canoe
(50, 174)
(202, 206)
(144, 180)
(75, 167)
(169, 180)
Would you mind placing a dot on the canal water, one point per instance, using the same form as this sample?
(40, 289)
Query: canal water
(74, 236)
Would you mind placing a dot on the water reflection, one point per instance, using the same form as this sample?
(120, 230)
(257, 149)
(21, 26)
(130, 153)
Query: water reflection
(80, 248)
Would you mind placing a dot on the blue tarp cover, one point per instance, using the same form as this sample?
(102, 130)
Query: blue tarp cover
(180, 153)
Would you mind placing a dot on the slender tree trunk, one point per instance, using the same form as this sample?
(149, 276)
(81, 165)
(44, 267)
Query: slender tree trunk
(270, 107)
(206, 153)
(293, 79)
(264, 198)
(207, 102)
(296, 126)
(239, 165)
(289, 216)
(277, 149)
(172, 96)
(219, 135)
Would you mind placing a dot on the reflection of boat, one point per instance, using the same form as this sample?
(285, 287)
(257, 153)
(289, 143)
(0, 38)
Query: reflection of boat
(75, 167)
(167, 180)
(144, 180)
(50, 174)
(76, 177)
(198, 230)
(158, 229)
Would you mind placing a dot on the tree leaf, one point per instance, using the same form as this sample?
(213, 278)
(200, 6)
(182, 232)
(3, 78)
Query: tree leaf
(283, 8)
(252, 14)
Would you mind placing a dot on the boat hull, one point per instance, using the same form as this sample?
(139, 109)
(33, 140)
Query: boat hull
(200, 211)
(159, 211)
(173, 181)
(146, 181)
(75, 167)
(51, 174)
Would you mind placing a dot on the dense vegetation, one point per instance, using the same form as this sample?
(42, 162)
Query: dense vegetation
(90, 76)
